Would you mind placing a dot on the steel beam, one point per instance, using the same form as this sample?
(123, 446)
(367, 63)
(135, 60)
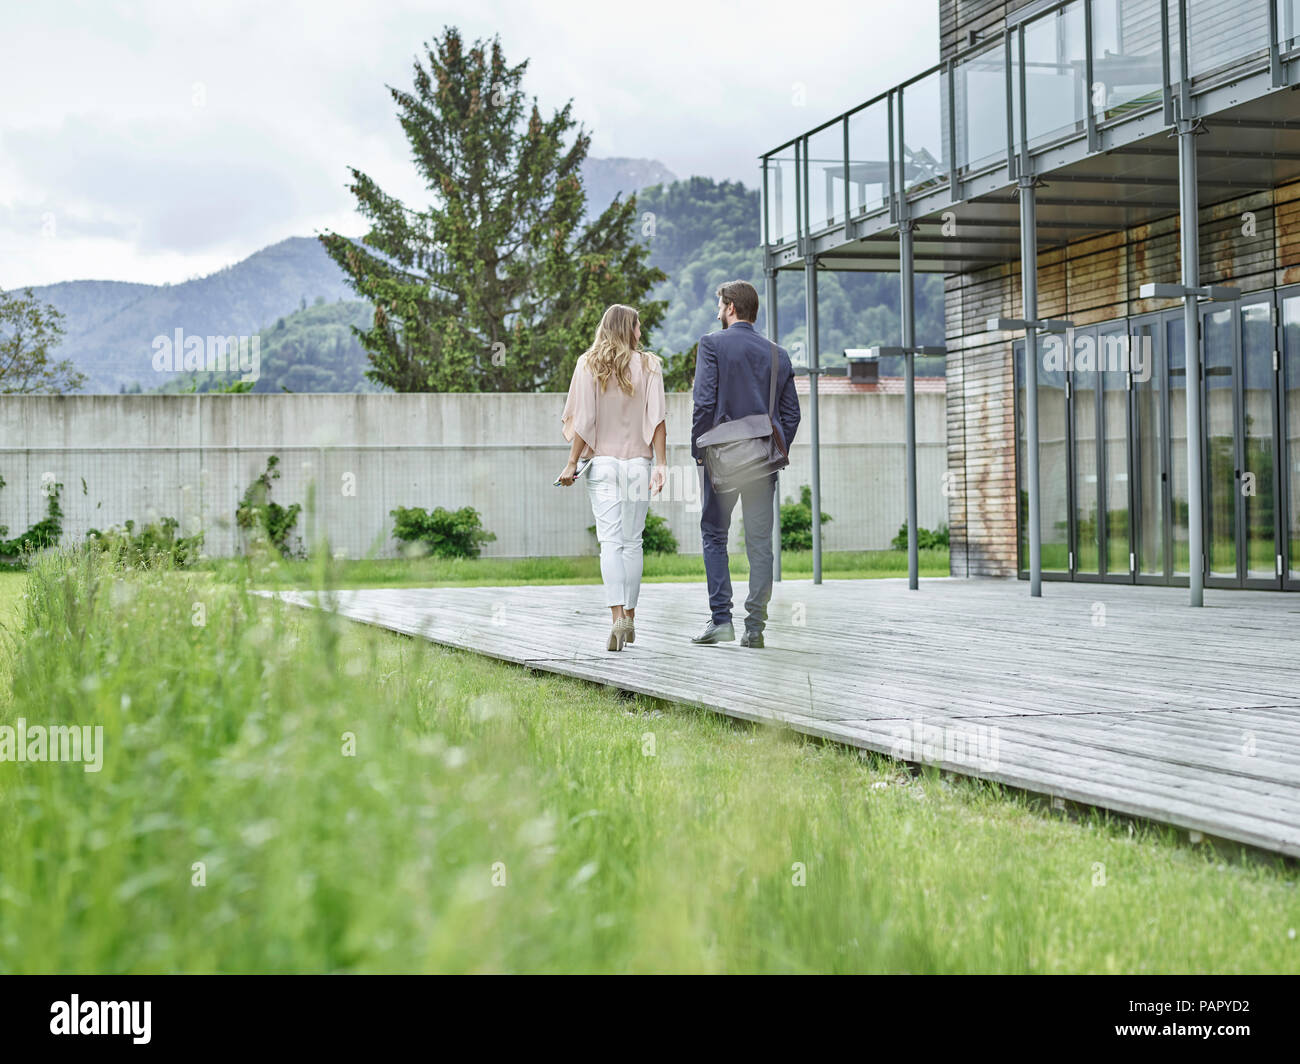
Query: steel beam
(814, 369)
(907, 317)
(1188, 222)
(1029, 305)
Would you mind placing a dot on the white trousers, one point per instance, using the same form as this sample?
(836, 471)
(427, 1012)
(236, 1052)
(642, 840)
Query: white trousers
(619, 491)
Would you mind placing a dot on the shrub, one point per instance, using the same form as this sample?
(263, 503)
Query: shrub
(443, 534)
(156, 542)
(657, 538)
(925, 538)
(45, 533)
(257, 513)
(796, 521)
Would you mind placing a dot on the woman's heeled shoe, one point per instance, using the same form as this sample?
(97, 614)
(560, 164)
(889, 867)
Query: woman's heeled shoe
(629, 629)
(616, 637)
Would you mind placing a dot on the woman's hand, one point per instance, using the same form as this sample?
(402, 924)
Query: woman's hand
(657, 479)
(569, 475)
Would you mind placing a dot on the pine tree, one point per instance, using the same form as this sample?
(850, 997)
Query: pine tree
(499, 283)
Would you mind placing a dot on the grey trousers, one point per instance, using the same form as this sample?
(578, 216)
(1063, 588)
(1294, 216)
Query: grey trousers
(756, 506)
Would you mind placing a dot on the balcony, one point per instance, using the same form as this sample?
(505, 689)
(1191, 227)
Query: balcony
(1082, 94)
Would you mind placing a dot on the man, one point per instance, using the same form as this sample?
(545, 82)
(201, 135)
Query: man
(733, 372)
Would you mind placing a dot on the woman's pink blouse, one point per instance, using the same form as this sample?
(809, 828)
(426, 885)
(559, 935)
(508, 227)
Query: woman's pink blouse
(612, 422)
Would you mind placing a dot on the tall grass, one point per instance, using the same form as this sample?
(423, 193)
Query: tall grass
(494, 820)
(584, 569)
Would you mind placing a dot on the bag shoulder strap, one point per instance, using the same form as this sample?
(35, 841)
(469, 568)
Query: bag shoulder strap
(771, 393)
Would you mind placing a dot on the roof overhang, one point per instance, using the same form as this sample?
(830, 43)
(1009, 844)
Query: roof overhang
(1251, 143)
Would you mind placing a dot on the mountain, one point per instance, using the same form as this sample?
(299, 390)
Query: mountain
(606, 178)
(110, 326)
(701, 232)
(311, 350)
(706, 232)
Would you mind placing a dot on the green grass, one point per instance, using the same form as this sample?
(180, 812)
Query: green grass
(435, 572)
(632, 835)
(12, 587)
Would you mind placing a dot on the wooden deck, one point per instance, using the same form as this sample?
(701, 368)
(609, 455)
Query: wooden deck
(1119, 697)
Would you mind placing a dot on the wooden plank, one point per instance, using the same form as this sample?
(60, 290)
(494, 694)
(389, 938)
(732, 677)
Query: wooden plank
(1134, 715)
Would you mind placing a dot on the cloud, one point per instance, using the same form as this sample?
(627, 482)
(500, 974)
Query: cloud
(159, 134)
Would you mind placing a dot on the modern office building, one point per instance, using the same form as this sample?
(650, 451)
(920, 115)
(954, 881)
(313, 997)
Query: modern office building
(1093, 148)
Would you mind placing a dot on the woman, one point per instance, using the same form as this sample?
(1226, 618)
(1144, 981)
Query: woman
(615, 416)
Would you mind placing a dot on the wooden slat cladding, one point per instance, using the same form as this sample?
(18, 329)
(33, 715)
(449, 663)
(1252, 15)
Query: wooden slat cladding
(1218, 31)
(957, 18)
(1252, 242)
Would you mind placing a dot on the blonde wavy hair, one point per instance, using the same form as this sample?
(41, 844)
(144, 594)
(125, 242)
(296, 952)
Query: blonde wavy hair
(611, 351)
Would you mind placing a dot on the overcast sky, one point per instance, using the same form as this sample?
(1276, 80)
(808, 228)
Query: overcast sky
(159, 141)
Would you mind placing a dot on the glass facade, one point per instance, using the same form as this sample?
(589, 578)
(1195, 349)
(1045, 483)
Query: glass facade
(1290, 435)
(964, 116)
(1113, 447)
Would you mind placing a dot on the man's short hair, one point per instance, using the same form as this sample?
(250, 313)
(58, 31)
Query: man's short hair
(743, 296)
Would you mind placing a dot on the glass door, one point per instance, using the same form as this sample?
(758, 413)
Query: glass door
(1053, 460)
(1114, 452)
(1222, 468)
(1113, 348)
(1241, 444)
(1176, 444)
(1087, 512)
(1150, 453)
(1289, 301)
(1054, 457)
(1258, 547)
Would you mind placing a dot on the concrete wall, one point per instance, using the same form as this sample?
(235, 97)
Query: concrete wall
(191, 457)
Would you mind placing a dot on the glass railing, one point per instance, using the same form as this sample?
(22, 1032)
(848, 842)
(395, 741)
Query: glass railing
(1127, 67)
(1055, 75)
(781, 192)
(826, 176)
(1060, 74)
(869, 159)
(1222, 32)
(1288, 24)
(979, 94)
(923, 136)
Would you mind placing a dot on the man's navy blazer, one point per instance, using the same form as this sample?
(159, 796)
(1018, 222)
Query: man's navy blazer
(733, 371)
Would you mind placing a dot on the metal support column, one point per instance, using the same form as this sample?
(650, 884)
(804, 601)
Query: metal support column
(908, 318)
(1029, 303)
(1188, 220)
(773, 336)
(814, 371)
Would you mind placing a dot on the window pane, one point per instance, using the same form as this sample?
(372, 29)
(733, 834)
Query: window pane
(1022, 492)
(1087, 539)
(1175, 357)
(1257, 497)
(1113, 353)
(1148, 461)
(1291, 340)
(1053, 463)
(1221, 482)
